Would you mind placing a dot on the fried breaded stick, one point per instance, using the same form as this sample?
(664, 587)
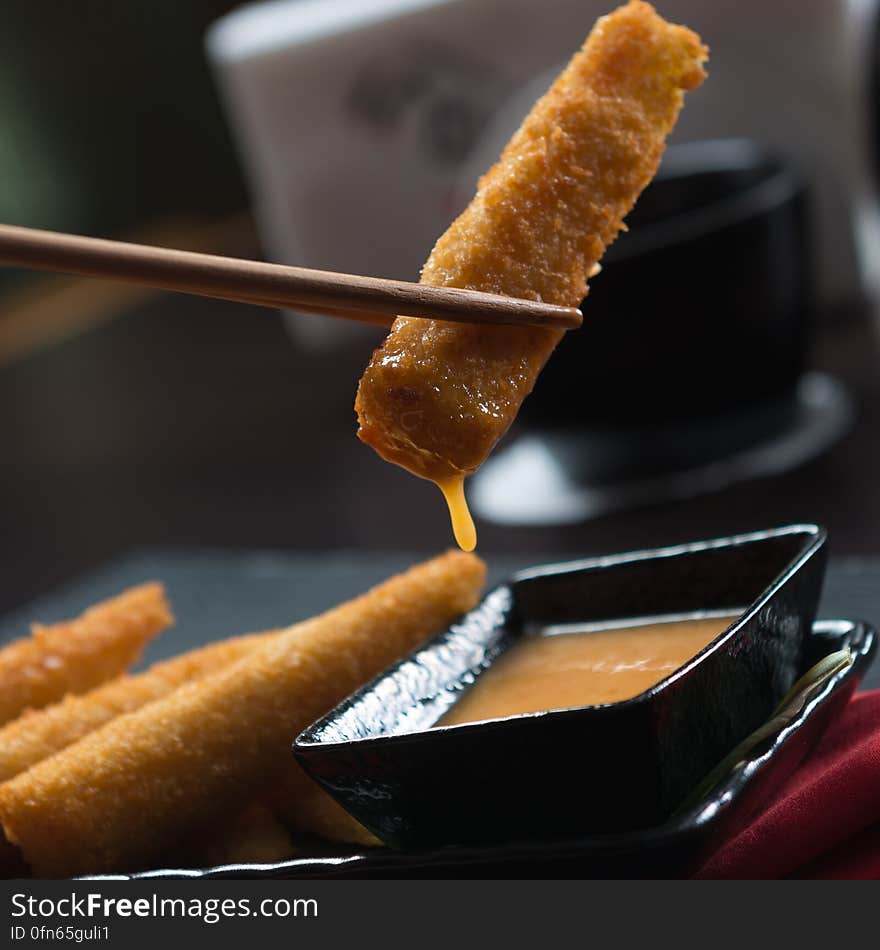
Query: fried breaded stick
(436, 396)
(125, 793)
(36, 735)
(254, 836)
(305, 807)
(77, 655)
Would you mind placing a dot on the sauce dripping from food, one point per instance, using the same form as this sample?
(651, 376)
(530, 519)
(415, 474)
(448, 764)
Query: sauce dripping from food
(462, 522)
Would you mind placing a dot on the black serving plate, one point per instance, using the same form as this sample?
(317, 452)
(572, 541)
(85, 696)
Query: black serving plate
(597, 769)
(675, 847)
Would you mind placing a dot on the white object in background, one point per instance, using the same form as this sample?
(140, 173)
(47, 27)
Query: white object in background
(364, 123)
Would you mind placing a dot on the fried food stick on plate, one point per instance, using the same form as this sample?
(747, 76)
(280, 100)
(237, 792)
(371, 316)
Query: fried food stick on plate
(125, 793)
(77, 655)
(254, 836)
(37, 734)
(305, 807)
(436, 397)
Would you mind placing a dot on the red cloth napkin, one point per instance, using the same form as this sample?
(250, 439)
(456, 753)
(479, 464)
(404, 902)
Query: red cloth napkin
(825, 821)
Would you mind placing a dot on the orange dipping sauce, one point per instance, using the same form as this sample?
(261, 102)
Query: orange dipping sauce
(588, 665)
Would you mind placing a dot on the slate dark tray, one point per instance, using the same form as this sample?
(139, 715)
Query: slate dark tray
(219, 593)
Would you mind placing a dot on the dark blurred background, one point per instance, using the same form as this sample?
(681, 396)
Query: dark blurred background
(131, 419)
(110, 117)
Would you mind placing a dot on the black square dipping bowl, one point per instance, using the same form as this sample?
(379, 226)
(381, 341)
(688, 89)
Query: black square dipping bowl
(593, 769)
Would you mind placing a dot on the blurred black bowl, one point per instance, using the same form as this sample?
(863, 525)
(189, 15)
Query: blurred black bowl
(701, 308)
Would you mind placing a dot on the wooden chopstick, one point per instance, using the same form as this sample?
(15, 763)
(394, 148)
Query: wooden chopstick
(369, 299)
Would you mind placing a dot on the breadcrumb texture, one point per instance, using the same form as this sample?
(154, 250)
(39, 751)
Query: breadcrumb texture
(37, 734)
(128, 792)
(437, 396)
(78, 655)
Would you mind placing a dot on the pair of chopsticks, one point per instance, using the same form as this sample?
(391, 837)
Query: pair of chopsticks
(365, 299)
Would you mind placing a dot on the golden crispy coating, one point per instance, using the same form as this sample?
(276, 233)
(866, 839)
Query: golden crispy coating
(123, 794)
(305, 807)
(76, 656)
(254, 836)
(436, 396)
(37, 734)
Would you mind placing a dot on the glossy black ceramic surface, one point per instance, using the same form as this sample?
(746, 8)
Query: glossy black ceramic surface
(600, 769)
(675, 847)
